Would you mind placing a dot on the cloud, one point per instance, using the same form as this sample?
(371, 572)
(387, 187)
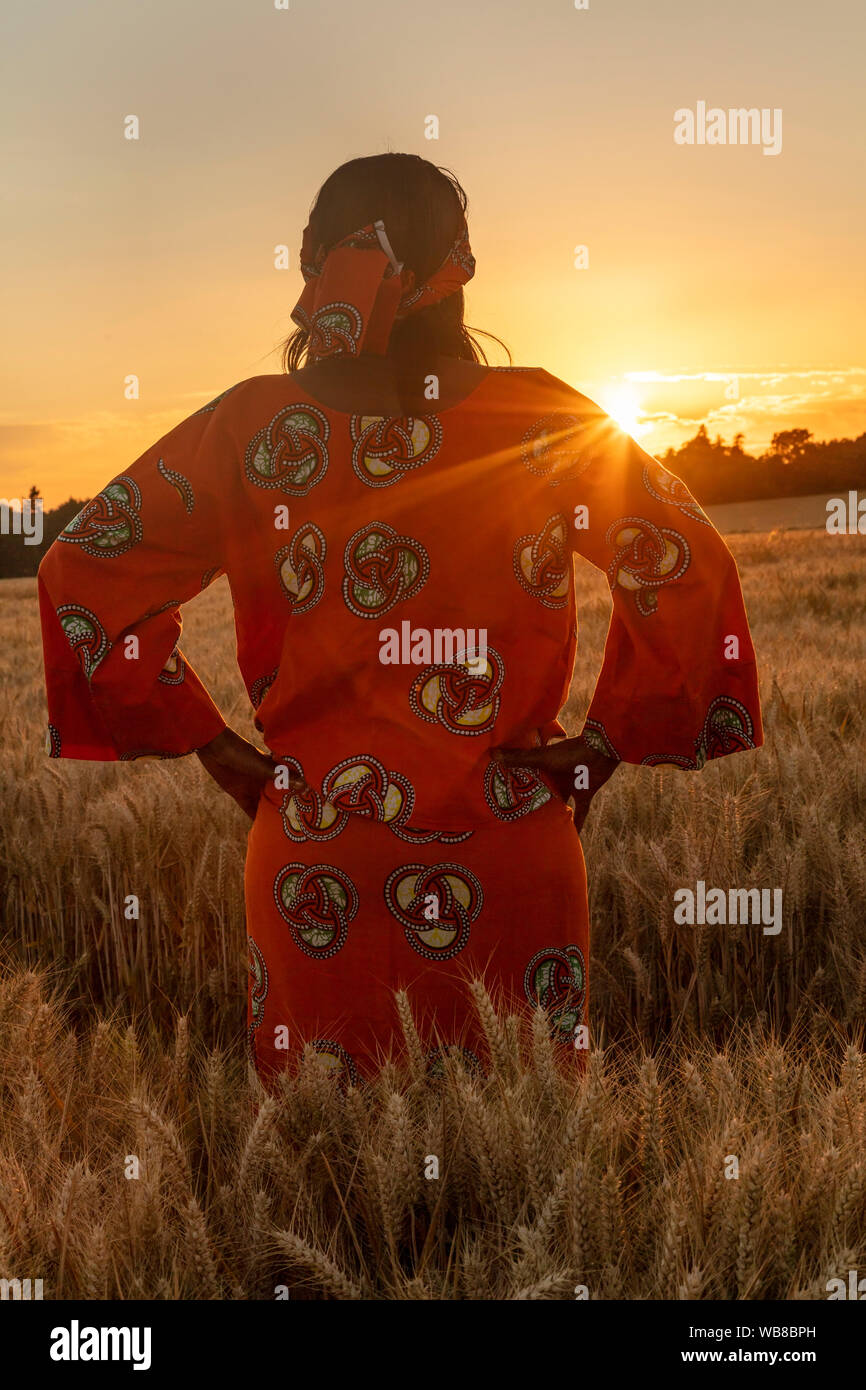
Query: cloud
(838, 374)
(829, 401)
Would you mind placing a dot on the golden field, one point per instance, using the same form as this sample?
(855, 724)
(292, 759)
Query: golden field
(121, 1038)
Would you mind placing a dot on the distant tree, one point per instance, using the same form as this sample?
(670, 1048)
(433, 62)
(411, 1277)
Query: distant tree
(34, 493)
(790, 445)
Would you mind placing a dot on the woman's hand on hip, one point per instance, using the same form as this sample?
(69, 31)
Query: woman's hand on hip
(561, 762)
(241, 770)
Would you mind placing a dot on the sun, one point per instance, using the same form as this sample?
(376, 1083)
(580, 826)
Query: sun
(623, 406)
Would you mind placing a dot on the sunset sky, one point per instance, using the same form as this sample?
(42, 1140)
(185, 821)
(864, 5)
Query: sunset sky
(724, 285)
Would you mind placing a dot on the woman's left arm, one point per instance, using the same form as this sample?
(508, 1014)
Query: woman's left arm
(110, 589)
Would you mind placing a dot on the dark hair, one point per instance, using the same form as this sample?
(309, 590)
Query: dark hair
(423, 207)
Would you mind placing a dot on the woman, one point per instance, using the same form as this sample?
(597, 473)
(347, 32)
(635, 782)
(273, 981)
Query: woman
(397, 523)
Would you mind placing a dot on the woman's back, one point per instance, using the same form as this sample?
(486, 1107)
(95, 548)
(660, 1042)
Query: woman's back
(402, 586)
(427, 578)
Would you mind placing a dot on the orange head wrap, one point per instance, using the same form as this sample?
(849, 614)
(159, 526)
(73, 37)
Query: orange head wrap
(355, 291)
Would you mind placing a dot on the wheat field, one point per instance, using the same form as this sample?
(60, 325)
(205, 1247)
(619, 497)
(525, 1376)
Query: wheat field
(121, 1043)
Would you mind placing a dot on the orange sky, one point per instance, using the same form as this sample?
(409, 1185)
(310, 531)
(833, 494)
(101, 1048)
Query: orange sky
(724, 285)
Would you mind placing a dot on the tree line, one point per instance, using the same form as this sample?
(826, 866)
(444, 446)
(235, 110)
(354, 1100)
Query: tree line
(795, 465)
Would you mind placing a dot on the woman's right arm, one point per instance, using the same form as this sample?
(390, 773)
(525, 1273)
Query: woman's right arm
(678, 682)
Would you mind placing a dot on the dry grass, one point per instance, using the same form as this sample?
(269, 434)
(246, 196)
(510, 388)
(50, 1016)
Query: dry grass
(716, 1041)
(615, 1183)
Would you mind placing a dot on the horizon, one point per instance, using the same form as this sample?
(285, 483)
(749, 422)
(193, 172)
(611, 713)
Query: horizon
(14, 504)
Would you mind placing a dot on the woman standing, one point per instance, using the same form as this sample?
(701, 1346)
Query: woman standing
(397, 522)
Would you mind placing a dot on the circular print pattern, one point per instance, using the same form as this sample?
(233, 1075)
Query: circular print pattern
(560, 446)
(727, 728)
(555, 980)
(306, 816)
(462, 700)
(301, 569)
(260, 687)
(382, 569)
(667, 487)
(110, 524)
(303, 813)
(386, 448)
(362, 786)
(512, 792)
(318, 902)
(291, 452)
(595, 735)
(542, 563)
(457, 900)
(85, 635)
(647, 557)
(334, 328)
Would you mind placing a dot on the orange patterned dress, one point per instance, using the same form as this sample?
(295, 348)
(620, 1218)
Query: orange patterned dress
(404, 603)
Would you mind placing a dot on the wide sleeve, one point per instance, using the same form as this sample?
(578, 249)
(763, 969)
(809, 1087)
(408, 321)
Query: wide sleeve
(110, 590)
(678, 682)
